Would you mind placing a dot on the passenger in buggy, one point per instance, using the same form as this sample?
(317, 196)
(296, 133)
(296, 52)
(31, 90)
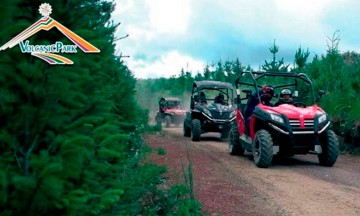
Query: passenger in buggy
(285, 97)
(266, 94)
(202, 98)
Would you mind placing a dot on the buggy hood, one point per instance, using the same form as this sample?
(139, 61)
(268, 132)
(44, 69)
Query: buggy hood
(293, 112)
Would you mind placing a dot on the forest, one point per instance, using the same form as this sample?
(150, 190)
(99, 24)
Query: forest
(71, 135)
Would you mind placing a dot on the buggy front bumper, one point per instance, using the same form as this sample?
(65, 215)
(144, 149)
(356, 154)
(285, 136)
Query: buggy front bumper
(297, 142)
(219, 121)
(299, 132)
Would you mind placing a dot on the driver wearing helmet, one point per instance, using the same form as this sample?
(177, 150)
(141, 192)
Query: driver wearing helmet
(285, 97)
(162, 105)
(266, 95)
(220, 99)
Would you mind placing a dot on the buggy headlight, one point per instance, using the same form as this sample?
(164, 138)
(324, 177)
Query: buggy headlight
(277, 118)
(207, 112)
(322, 118)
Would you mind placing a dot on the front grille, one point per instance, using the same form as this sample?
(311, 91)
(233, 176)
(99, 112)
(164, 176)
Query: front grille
(308, 125)
(217, 115)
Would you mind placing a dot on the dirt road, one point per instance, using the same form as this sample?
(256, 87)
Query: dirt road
(233, 185)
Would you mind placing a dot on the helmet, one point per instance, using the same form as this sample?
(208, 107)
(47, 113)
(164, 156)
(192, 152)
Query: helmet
(220, 98)
(267, 93)
(286, 96)
(202, 97)
(268, 90)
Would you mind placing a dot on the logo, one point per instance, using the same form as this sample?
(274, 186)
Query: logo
(49, 53)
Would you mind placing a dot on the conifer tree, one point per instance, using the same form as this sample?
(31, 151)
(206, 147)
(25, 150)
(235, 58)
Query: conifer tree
(68, 134)
(207, 73)
(198, 76)
(219, 71)
(275, 65)
(301, 58)
(236, 69)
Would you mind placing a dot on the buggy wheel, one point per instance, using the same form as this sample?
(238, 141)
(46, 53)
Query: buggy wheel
(330, 148)
(263, 149)
(186, 130)
(167, 121)
(224, 134)
(235, 147)
(158, 119)
(195, 130)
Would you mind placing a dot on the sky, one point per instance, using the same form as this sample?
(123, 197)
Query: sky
(168, 35)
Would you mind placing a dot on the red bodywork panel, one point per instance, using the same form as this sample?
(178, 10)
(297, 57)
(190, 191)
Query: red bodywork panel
(176, 111)
(240, 121)
(288, 110)
(293, 112)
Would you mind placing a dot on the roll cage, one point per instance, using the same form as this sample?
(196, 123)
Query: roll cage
(223, 87)
(172, 102)
(258, 75)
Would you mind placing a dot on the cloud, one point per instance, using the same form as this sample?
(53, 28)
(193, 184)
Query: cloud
(169, 16)
(167, 65)
(203, 31)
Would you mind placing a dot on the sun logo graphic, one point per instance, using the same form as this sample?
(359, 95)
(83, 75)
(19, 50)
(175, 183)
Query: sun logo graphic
(49, 53)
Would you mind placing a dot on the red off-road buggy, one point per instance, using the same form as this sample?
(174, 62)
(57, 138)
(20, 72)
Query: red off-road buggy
(300, 127)
(170, 112)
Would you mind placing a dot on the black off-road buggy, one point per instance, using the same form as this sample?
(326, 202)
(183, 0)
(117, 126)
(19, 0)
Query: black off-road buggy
(300, 127)
(210, 109)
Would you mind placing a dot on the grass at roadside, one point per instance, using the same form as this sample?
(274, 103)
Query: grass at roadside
(171, 198)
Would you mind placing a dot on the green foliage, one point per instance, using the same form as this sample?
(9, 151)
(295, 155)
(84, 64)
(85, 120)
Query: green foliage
(177, 200)
(338, 74)
(70, 136)
(275, 65)
(301, 58)
(154, 128)
(161, 151)
(349, 148)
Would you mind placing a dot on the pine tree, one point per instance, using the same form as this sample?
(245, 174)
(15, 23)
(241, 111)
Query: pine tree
(199, 77)
(275, 65)
(67, 132)
(236, 69)
(301, 58)
(207, 73)
(219, 71)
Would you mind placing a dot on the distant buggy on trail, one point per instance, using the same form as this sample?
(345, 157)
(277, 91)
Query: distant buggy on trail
(170, 111)
(276, 114)
(210, 108)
